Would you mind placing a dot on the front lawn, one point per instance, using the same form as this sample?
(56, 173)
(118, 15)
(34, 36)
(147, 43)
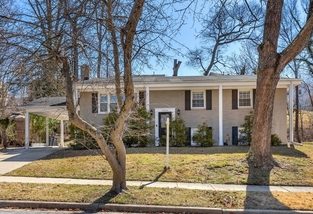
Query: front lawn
(204, 165)
(156, 196)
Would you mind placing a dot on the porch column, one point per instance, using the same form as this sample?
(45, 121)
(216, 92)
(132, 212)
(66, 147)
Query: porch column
(47, 131)
(220, 116)
(147, 101)
(61, 134)
(26, 130)
(291, 92)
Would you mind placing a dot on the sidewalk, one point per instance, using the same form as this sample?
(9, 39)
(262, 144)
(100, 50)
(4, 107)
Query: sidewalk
(196, 186)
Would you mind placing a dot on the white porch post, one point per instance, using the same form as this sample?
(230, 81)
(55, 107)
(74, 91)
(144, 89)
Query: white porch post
(220, 116)
(47, 131)
(291, 92)
(26, 130)
(61, 134)
(147, 101)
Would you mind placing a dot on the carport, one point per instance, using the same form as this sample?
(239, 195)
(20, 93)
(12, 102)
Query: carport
(50, 108)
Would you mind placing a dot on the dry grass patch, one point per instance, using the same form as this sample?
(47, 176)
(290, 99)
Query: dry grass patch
(205, 165)
(156, 196)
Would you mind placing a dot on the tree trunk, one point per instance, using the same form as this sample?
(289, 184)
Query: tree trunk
(260, 150)
(76, 120)
(270, 66)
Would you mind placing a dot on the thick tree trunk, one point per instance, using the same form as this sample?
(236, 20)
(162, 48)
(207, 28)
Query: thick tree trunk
(270, 66)
(260, 150)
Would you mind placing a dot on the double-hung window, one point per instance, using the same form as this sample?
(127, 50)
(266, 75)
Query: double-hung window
(107, 103)
(198, 99)
(103, 104)
(245, 98)
(113, 103)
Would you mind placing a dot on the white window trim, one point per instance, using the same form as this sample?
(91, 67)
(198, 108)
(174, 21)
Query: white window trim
(204, 99)
(108, 104)
(251, 98)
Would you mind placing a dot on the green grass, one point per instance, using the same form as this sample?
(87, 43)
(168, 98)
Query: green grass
(156, 196)
(205, 165)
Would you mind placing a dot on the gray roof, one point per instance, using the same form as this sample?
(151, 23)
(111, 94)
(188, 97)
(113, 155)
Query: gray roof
(48, 101)
(215, 78)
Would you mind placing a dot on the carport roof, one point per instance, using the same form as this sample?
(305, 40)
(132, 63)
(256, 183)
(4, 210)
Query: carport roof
(51, 107)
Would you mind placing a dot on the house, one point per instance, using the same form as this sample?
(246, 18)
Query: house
(221, 101)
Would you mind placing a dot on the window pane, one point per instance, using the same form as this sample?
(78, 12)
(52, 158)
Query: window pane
(244, 98)
(103, 107)
(198, 103)
(113, 99)
(197, 99)
(103, 98)
(113, 102)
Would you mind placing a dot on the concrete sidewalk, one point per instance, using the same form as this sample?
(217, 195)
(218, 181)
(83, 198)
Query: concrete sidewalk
(196, 186)
(14, 158)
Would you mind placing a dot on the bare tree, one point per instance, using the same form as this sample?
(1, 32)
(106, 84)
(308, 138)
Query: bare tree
(117, 157)
(228, 22)
(271, 63)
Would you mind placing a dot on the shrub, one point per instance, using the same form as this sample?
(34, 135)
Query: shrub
(178, 135)
(247, 129)
(203, 136)
(81, 139)
(275, 140)
(137, 130)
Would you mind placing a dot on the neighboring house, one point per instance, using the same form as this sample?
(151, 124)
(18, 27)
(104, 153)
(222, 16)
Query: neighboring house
(221, 101)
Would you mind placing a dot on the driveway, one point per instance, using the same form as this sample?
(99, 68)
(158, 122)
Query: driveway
(14, 158)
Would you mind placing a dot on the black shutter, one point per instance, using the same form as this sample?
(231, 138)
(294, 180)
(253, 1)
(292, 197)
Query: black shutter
(188, 134)
(208, 94)
(187, 100)
(254, 93)
(234, 99)
(235, 135)
(94, 102)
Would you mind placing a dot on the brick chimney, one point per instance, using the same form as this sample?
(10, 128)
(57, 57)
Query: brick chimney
(85, 71)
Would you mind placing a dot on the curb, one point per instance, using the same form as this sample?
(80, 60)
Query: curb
(134, 208)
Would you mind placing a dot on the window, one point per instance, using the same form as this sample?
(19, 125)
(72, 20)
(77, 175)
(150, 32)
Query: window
(244, 97)
(103, 103)
(197, 99)
(113, 103)
(108, 103)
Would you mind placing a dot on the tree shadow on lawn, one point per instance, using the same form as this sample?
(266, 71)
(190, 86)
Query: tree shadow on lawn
(263, 199)
(95, 206)
(156, 179)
